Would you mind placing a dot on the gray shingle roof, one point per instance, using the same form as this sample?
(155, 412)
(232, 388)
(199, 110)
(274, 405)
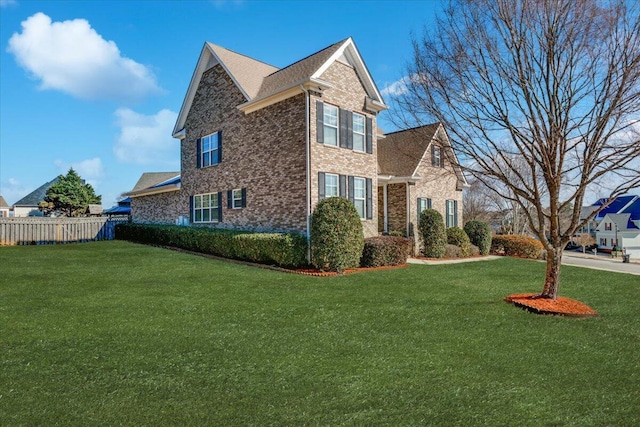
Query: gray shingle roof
(36, 196)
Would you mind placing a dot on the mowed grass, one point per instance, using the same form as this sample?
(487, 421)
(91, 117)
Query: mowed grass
(114, 333)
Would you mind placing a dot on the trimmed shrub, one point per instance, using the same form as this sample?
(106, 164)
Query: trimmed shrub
(396, 233)
(385, 250)
(337, 239)
(516, 245)
(480, 235)
(475, 251)
(452, 251)
(457, 236)
(283, 249)
(432, 232)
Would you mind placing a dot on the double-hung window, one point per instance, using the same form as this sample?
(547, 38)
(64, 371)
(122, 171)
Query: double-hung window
(236, 198)
(423, 204)
(331, 186)
(206, 207)
(330, 121)
(360, 196)
(358, 132)
(452, 213)
(210, 150)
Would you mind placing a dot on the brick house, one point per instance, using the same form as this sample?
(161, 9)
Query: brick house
(260, 146)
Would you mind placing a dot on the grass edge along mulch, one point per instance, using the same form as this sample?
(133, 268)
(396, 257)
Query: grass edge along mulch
(562, 306)
(303, 271)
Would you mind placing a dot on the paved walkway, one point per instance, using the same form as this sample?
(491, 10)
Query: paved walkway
(576, 259)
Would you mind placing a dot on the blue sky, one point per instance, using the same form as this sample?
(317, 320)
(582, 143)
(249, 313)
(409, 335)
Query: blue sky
(97, 85)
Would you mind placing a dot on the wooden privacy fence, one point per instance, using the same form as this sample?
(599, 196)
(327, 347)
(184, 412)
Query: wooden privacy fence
(50, 231)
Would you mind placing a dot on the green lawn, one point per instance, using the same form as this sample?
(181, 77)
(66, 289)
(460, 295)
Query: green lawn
(113, 333)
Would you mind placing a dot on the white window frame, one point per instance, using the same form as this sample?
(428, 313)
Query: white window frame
(327, 186)
(362, 134)
(437, 156)
(357, 200)
(328, 126)
(209, 153)
(236, 198)
(426, 203)
(211, 209)
(451, 213)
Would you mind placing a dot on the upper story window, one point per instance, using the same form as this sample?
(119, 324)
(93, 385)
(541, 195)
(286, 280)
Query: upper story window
(607, 226)
(210, 150)
(358, 132)
(206, 208)
(360, 196)
(343, 128)
(436, 156)
(330, 120)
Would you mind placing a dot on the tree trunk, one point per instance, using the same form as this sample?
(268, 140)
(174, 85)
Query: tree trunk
(552, 275)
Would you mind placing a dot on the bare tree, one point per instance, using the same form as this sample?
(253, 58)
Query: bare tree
(584, 240)
(550, 83)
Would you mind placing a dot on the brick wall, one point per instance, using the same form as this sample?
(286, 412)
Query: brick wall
(263, 151)
(347, 93)
(163, 208)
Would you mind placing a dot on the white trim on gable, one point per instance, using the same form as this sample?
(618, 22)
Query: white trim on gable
(351, 54)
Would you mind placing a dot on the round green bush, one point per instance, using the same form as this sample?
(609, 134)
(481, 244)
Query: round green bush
(337, 238)
(517, 246)
(480, 235)
(432, 232)
(457, 236)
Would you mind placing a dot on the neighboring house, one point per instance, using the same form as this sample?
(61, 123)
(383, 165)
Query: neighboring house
(4, 208)
(156, 198)
(260, 146)
(123, 208)
(621, 229)
(29, 204)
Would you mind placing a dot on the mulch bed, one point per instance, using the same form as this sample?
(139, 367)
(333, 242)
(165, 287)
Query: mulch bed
(561, 306)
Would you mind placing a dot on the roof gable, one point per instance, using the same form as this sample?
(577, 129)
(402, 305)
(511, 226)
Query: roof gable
(3, 203)
(623, 222)
(36, 196)
(155, 182)
(263, 84)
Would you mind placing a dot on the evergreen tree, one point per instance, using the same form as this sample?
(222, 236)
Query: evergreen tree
(69, 196)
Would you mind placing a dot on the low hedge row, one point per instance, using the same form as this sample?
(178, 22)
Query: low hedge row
(385, 250)
(516, 245)
(283, 249)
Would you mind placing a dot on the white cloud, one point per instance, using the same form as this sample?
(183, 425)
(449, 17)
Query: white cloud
(72, 57)
(13, 190)
(396, 88)
(147, 140)
(5, 3)
(91, 170)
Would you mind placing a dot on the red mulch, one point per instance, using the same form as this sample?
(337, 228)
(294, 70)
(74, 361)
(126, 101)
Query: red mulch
(561, 306)
(318, 273)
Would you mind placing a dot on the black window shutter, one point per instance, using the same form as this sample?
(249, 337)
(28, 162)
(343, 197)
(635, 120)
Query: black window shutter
(191, 209)
(244, 197)
(230, 199)
(199, 152)
(320, 185)
(433, 155)
(351, 199)
(319, 121)
(369, 138)
(419, 211)
(455, 213)
(369, 198)
(349, 130)
(342, 183)
(219, 146)
(344, 135)
(428, 203)
(219, 206)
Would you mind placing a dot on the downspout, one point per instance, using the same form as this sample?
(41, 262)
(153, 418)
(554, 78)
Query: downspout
(385, 197)
(408, 209)
(308, 171)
